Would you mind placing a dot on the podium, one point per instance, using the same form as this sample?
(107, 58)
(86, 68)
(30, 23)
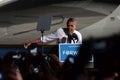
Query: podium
(67, 49)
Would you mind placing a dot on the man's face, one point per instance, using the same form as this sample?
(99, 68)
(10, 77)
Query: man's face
(71, 26)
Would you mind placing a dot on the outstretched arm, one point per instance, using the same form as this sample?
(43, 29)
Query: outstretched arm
(27, 44)
(47, 38)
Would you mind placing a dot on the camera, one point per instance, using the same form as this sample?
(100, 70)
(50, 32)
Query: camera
(36, 69)
(17, 56)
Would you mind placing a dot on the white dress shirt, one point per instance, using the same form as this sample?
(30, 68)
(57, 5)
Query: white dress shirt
(61, 37)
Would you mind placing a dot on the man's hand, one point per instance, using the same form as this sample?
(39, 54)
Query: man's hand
(27, 44)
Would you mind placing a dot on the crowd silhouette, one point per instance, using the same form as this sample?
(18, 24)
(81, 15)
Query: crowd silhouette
(19, 65)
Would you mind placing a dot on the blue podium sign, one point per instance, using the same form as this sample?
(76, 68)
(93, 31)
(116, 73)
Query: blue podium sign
(68, 49)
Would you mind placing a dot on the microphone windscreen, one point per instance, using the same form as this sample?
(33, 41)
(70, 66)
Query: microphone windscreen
(63, 40)
(74, 36)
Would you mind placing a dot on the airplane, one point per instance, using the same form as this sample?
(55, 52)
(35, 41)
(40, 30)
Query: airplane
(18, 19)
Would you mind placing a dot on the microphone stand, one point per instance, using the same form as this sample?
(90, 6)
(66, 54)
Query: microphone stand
(47, 63)
(42, 48)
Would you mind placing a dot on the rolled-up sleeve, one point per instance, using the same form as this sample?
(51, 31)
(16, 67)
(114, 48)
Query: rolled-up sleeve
(53, 36)
(49, 38)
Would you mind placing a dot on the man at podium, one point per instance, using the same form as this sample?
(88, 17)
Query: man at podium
(61, 35)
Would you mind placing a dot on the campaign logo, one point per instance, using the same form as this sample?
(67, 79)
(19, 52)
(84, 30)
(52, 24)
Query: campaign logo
(68, 49)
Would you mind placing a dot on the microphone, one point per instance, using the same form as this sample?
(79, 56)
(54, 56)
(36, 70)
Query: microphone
(74, 37)
(63, 40)
(69, 38)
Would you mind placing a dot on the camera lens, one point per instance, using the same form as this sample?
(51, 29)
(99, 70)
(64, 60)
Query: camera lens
(36, 69)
